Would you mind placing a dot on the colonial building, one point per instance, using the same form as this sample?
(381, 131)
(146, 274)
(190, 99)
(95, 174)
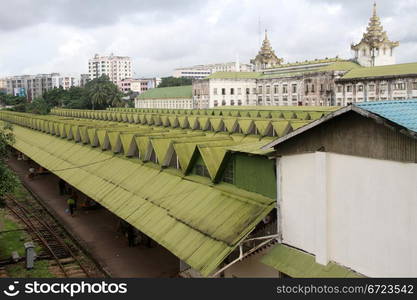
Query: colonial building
(266, 57)
(370, 75)
(310, 83)
(394, 82)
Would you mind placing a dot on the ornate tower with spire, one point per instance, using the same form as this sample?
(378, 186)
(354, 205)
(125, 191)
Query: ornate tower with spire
(375, 49)
(266, 57)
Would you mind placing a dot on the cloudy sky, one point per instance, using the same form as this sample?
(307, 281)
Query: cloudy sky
(43, 36)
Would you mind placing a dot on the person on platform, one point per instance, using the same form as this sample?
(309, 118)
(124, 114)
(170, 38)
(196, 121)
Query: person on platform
(71, 204)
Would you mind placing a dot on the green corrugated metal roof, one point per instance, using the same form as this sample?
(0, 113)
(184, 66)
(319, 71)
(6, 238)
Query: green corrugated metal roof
(198, 223)
(299, 264)
(235, 75)
(380, 71)
(252, 148)
(180, 92)
(281, 127)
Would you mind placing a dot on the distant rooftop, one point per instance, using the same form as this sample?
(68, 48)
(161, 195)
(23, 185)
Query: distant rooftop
(294, 69)
(382, 71)
(401, 112)
(235, 75)
(180, 92)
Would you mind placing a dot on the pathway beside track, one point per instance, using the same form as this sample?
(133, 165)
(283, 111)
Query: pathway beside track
(97, 232)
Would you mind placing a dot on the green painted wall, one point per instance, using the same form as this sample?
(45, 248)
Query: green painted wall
(255, 174)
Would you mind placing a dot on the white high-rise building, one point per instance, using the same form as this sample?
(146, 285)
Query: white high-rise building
(64, 81)
(202, 71)
(115, 67)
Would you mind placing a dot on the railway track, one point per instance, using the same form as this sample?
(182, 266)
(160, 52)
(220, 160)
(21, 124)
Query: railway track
(48, 235)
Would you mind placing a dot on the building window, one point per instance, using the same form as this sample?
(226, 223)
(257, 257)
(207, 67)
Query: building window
(360, 88)
(223, 91)
(339, 89)
(382, 88)
(268, 89)
(224, 102)
(285, 88)
(259, 89)
(202, 170)
(268, 100)
(232, 102)
(260, 100)
(294, 88)
(312, 88)
(285, 99)
(371, 88)
(276, 91)
(399, 86)
(349, 88)
(239, 102)
(414, 85)
(247, 91)
(276, 100)
(232, 91)
(239, 91)
(216, 103)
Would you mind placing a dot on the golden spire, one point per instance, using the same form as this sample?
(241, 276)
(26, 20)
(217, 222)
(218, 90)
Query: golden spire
(266, 56)
(375, 35)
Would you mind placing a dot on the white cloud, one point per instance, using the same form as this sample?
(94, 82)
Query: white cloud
(162, 36)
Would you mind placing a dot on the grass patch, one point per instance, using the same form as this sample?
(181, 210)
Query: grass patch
(40, 270)
(12, 240)
(21, 192)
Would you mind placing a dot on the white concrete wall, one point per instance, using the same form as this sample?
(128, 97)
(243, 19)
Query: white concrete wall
(365, 218)
(228, 84)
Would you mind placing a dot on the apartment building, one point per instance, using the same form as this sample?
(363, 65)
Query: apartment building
(64, 81)
(31, 86)
(138, 85)
(115, 67)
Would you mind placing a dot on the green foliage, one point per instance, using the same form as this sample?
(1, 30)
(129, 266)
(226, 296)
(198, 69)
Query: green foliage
(98, 93)
(12, 239)
(39, 106)
(103, 93)
(11, 100)
(8, 180)
(172, 81)
(40, 270)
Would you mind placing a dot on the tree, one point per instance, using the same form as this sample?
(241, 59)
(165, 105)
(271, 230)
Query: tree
(55, 97)
(173, 81)
(102, 93)
(39, 106)
(77, 98)
(8, 181)
(11, 100)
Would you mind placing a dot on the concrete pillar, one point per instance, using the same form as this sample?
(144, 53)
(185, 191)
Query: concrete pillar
(279, 198)
(321, 230)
